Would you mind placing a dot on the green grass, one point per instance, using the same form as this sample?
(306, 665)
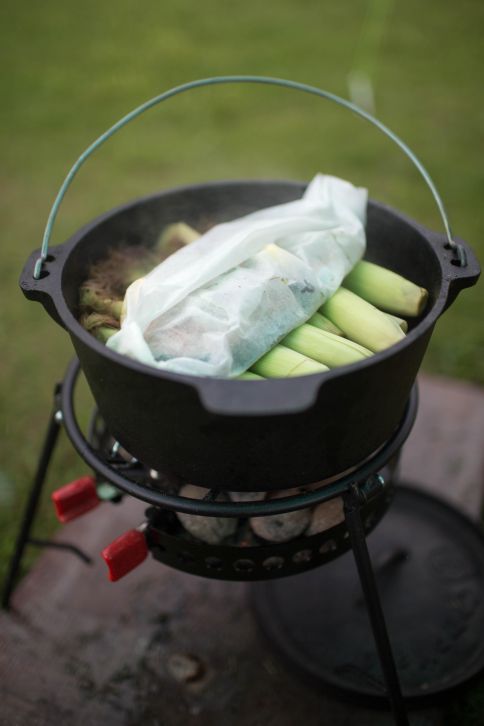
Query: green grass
(71, 69)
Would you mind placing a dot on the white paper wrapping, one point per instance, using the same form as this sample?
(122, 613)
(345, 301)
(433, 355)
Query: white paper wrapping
(217, 305)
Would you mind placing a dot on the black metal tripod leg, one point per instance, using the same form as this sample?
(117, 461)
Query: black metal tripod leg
(32, 502)
(377, 619)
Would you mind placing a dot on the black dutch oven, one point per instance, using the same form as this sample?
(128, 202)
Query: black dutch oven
(242, 435)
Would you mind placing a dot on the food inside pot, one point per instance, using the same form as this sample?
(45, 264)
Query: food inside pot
(368, 313)
(258, 317)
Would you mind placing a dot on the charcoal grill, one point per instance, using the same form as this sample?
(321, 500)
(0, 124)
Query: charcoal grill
(421, 546)
(241, 433)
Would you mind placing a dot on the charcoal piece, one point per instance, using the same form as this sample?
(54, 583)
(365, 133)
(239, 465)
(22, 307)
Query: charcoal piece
(247, 496)
(281, 527)
(326, 515)
(211, 530)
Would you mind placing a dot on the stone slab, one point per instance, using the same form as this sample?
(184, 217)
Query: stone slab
(444, 453)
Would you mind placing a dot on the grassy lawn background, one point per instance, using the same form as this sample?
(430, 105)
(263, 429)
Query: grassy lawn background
(72, 69)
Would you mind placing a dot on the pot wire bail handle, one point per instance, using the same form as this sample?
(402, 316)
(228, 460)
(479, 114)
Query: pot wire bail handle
(457, 248)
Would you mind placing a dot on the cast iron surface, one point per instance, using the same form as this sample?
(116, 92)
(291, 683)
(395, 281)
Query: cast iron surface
(132, 478)
(429, 561)
(247, 435)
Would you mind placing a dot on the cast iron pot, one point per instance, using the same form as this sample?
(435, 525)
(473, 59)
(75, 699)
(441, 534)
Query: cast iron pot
(248, 434)
(243, 435)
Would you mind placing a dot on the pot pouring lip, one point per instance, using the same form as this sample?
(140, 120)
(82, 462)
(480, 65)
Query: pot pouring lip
(231, 397)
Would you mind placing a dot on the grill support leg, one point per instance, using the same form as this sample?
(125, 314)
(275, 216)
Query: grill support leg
(33, 500)
(352, 504)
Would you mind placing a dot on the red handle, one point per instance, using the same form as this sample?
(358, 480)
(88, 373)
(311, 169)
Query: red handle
(75, 498)
(125, 553)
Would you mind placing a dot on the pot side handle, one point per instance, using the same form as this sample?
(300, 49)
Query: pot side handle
(459, 276)
(42, 289)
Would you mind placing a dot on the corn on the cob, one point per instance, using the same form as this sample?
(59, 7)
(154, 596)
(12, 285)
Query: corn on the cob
(327, 348)
(90, 299)
(174, 237)
(361, 321)
(319, 321)
(104, 333)
(400, 321)
(281, 362)
(100, 325)
(386, 289)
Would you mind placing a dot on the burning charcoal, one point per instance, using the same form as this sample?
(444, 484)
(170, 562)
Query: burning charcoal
(281, 527)
(211, 530)
(326, 515)
(247, 496)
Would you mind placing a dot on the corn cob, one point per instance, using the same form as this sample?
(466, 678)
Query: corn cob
(249, 376)
(100, 325)
(332, 350)
(361, 321)
(386, 289)
(90, 299)
(104, 333)
(319, 321)
(400, 321)
(281, 362)
(174, 237)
